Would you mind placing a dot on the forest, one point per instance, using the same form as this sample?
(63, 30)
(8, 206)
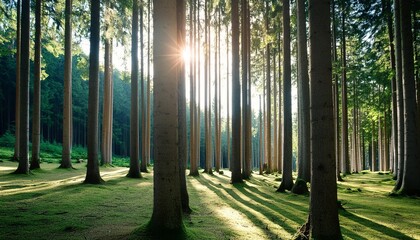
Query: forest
(209, 119)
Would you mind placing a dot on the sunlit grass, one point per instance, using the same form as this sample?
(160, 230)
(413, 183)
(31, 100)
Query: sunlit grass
(52, 203)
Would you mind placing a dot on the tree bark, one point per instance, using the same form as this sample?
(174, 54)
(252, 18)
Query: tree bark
(92, 173)
(36, 112)
(18, 70)
(268, 94)
(134, 171)
(304, 172)
(23, 167)
(344, 119)
(411, 178)
(287, 179)
(324, 222)
(236, 97)
(167, 210)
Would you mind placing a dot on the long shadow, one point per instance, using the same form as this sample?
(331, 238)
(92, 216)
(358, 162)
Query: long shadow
(384, 230)
(272, 217)
(287, 214)
(351, 234)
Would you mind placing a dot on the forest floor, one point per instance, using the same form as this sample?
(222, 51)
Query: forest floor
(52, 203)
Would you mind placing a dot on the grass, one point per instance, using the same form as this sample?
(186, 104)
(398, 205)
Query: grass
(52, 203)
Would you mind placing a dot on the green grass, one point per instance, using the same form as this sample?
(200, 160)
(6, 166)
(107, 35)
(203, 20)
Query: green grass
(52, 203)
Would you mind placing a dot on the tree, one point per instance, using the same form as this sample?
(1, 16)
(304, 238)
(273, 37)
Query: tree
(303, 96)
(287, 179)
(182, 105)
(323, 216)
(36, 119)
(67, 106)
(246, 92)
(344, 118)
(267, 131)
(134, 171)
(17, 98)
(92, 171)
(23, 167)
(236, 97)
(106, 158)
(166, 217)
(143, 166)
(411, 179)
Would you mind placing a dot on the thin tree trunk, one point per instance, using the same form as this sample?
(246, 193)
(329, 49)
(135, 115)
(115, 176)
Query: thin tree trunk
(280, 129)
(143, 165)
(246, 93)
(344, 118)
(148, 116)
(304, 172)
(36, 118)
(268, 95)
(18, 70)
(92, 173)
(228, 99)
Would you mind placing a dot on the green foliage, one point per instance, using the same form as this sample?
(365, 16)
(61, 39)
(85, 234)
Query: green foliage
(7, 140)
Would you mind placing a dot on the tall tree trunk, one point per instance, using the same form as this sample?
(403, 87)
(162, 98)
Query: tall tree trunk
(92, 173)
(106, 158)
(236, 97)
(324, 223)
(287, 179)
(411, 178)
(400, 97)
(207, 93)
(304, 172)
(182, 108)
(143, 166)
(36, 112)
(280, 130)
(268, 93)
(344, 119)
(23, 166)
(228, 99)
(335, 92)
(193, 90)
(18, 70)
(134, 171)
(246, 171)
(373, 160)
(261, 143)
(148, 116)
(166, 195)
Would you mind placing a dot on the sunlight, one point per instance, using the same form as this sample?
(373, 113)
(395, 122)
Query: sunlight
(186, 55)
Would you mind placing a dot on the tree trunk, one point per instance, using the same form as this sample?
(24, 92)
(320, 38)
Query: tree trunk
(411, 178)
(228, 99)
(143, 166)
(106, 158)
(280, 130)
(400, 97)
(167, 215)
(268, 94)
(324, 223)
(246, 96)
(148, 116)
(182, 111)
(344, 119)
(18, 69)
(36, 112)
(304, 172)
(23, 166)
(134, 171)
(287, 179)
(92, 173)
(236, 97)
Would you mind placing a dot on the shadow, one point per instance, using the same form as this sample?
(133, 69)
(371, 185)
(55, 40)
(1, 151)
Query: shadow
(274, 218)
(383, 230)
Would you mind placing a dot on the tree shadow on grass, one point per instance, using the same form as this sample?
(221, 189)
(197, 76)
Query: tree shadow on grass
(383, 230)
(218, 189)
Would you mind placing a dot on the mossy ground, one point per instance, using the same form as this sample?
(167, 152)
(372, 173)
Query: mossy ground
(52, 203)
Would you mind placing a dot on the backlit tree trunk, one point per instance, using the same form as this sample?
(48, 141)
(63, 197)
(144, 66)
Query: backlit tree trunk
(92, 173)
(236, 97)
(324, 223)
(134, 171)
(287, 179)
(304, 170)
(246, 169)
(344, 119)
(17, 99)
(166, 193)
(267, 130)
